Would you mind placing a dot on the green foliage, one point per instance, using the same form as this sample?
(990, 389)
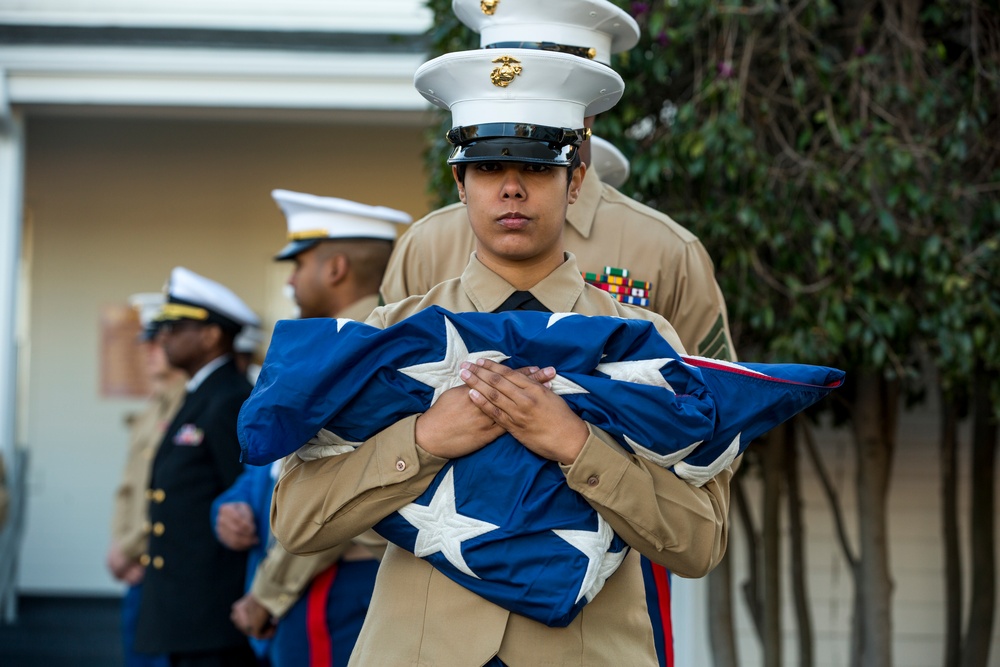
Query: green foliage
(842, 167)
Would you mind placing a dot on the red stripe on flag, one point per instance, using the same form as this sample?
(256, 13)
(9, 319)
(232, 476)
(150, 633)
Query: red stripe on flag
(317, 635)
(662, 579)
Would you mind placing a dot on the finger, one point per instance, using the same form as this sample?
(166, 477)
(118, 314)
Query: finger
(491, 410)
(542, 376)
(492, 387)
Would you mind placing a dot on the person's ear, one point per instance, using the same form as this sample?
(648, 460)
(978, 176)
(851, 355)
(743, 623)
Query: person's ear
(211, 335)
(459, 183)
(575, 182)
(337, 268)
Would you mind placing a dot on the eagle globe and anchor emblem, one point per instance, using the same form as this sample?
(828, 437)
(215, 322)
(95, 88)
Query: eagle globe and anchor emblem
(488, 7)
(508, 69)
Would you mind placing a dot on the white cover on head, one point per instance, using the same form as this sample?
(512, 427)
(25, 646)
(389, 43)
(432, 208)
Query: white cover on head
(596, 24)
(191, 288)
(609, 162)
(551, 89)
(147, 305)
(248, 340)
(314, 217)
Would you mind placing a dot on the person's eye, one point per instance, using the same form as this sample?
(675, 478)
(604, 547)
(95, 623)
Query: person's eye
(488, 167)
(536, 168)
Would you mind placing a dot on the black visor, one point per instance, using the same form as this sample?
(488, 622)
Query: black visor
(515, 142)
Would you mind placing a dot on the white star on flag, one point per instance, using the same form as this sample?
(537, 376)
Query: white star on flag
(555, 317)
(325, 443)
(341, 322)
(662, 460)
(600, 564)
(698, 475)
(441, 528)
(443, 375)
(641, 371)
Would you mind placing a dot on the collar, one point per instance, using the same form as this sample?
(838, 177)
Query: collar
(205, 371)
(360, 309)
(580, 215)
(557, 291)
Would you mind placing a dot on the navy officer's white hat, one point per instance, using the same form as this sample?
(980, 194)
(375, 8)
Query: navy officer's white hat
(518, 105)
(190, 296)
(312, 219)
(147, 306)
(593, 29)
(609, 162)
(249, 340)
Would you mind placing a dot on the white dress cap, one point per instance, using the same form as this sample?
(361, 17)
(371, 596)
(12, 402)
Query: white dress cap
(521, 86)
(312, 219)
(248, 340)
(593, 29)
(147, 305)
(194, 297)
(609, 162)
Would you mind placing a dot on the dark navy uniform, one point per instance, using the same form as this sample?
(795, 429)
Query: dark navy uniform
(191, 579)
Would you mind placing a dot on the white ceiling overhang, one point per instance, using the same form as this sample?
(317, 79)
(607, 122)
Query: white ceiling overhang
(185, 77)
(211, 56)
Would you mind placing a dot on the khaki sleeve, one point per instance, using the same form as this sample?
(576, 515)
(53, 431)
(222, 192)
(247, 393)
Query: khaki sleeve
(699, 310)
(402, 278)
(680, 526)
(319, 504)
(282, 578)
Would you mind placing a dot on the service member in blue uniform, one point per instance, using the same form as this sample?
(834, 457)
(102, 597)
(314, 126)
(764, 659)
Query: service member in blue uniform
(191, 580)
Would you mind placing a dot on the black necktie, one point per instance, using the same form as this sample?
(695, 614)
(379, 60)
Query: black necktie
(521, 301)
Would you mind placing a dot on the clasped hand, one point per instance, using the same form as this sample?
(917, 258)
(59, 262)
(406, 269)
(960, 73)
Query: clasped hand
(499, 399)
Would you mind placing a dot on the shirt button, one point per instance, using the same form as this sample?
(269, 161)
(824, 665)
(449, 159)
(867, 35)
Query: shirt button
(144, 560)
(400, 465)
(594, 480)
(158, 562)
(158, 528)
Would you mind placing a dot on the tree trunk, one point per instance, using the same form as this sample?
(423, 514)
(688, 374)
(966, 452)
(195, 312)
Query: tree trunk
(721, 633)
(800, 592)
(875, 411)
(751, 587)
(982, 602)
(773, 467)
(949, 529)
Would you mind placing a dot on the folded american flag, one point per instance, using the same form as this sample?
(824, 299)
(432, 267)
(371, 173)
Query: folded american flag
(502, 521)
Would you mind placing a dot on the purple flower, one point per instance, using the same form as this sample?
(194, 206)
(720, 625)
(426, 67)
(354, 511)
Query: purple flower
(639, 8)
(725, 69)
(860, 50)
(663, 39)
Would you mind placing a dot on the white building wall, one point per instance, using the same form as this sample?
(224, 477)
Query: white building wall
(384, 16)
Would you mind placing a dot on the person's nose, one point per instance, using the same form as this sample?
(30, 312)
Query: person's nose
(512, 186)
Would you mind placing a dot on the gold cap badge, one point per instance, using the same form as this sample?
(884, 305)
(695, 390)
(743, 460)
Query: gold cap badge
(488, 6)
(509, 68)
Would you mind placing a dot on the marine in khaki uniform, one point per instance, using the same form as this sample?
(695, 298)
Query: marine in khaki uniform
(671, 271)
(129, 525)
(340, 249)
(517, 168)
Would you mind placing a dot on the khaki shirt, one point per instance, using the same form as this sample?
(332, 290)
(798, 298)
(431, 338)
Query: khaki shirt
(129, 524)
(282, 578)
(419, 616)
(603, 228)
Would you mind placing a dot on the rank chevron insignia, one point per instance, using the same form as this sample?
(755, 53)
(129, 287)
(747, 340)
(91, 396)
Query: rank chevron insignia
(487, 518)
